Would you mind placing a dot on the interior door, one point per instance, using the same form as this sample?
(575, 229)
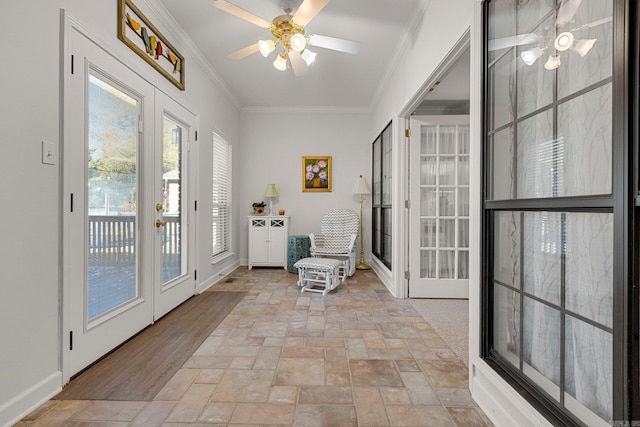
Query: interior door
(439, 215)
(108, 124)
(174, 210)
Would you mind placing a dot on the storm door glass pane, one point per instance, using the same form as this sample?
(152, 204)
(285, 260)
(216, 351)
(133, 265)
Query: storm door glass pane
(585, 128)
(590, 58)
(172, 247)
(502, 169)
(589, 266)
(541, 346)
(535, 82)
(588, 371)
(112, 195)
(506, 324)
(540, 158)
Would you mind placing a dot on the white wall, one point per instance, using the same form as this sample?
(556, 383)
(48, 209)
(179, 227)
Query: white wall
(441, 27)
(273, 143)
(30, 350)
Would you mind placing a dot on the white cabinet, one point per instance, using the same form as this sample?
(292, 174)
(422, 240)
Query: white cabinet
(268, 241)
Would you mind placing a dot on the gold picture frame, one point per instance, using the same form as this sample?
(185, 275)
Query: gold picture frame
(316, 173)
(137, 32)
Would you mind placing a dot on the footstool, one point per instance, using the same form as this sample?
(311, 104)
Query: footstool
(318, 274)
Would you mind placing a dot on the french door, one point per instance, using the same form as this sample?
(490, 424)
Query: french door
(174, 281)
(439, 218)
(126, 226)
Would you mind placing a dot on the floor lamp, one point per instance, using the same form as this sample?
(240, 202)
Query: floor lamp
(361, 188)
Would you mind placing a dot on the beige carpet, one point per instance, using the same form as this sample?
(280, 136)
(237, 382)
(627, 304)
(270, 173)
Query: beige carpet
(450, 319)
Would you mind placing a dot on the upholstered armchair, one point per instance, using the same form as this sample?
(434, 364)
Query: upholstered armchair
(337, 239)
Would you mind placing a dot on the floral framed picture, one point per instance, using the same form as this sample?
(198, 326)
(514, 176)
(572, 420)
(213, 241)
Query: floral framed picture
(316, 173)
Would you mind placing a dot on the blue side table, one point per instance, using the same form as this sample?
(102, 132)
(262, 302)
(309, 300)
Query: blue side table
(297, 248)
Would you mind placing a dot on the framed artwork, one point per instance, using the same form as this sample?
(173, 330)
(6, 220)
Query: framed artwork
(316, 173)
(137, 32)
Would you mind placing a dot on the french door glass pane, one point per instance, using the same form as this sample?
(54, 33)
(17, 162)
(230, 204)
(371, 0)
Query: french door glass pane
(428, 170)
(428, 264)
(428, 233)
(172, 262)
(112, 188)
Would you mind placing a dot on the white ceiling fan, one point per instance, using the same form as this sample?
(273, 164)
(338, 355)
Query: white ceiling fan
(289, 32)
(563, 41)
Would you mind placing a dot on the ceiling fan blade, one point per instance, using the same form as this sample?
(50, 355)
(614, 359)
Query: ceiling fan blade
(517, 40)
(244, 52)
(299, 66)
(567, 9)
(596, 23)
(308, 10)
(241, 13)
(333, 43)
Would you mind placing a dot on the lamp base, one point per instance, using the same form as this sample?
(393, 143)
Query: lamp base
(363, 266)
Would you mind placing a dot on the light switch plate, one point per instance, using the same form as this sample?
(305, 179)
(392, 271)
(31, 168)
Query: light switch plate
(49, 153)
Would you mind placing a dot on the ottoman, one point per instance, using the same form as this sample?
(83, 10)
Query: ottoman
(318, 274)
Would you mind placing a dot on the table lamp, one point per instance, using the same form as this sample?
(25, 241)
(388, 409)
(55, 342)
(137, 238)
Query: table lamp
(271, 193)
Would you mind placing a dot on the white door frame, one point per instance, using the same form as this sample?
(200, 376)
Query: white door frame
(72, 27)
(404, 117)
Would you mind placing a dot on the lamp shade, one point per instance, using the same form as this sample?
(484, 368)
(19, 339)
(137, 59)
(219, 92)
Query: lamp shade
(280, 62)
(271, 191)
(361, 186)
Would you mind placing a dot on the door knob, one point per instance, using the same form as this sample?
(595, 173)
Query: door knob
(158, 207)
(160, 223)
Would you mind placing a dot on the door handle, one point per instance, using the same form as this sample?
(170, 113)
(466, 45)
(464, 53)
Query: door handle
(158, 207)
(160, 223)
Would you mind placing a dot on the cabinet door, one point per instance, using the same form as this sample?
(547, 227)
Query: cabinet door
(278, 246)
(258, 242)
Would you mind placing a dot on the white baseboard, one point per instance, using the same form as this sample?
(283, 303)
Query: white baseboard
(499, 401)
(26, 402)
(217, 277)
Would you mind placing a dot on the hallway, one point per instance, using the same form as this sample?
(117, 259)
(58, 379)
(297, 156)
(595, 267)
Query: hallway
(355, 357)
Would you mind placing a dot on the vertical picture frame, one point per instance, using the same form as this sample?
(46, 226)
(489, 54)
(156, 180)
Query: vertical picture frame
(316, 174)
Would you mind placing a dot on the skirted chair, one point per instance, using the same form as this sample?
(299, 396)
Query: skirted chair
(337, 239)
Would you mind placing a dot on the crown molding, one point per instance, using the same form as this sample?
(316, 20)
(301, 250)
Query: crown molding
(405, 40)
(306, 110)
(188, 46)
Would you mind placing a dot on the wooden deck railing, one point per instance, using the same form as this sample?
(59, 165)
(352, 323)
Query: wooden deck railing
(117, 234)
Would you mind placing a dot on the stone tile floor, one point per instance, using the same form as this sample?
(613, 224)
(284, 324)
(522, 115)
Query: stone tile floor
(355, 357)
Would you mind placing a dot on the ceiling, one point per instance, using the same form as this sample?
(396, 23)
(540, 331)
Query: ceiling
(335, 79)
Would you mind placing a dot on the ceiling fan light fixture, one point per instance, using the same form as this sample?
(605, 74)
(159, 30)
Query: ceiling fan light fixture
(298, 42)
(552, 63)
(584, 46)
(563, 41)
(266, 47)
(308, 56)
(280, 62)
(530, 56)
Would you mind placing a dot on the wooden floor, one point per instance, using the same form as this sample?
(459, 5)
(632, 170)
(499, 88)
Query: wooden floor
(142, 366)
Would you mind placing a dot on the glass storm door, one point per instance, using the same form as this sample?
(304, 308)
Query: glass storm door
(108, 299)
(175, 127)
(439, 240)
